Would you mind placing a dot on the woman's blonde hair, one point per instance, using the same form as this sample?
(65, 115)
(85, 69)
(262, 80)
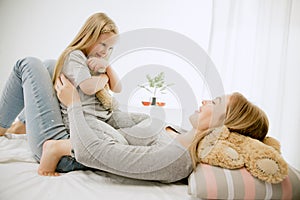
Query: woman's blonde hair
(241, 117)
(95, 25)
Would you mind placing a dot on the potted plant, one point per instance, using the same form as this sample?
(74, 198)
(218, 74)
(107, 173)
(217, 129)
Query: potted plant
(154, 85)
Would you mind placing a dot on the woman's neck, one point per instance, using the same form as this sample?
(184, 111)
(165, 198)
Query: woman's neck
(187, 138)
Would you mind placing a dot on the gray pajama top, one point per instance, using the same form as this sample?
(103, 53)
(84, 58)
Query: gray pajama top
(77, 71)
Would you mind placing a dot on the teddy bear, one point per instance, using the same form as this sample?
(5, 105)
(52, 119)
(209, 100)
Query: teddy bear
(107, 100)
(232, 151)
(104, 96)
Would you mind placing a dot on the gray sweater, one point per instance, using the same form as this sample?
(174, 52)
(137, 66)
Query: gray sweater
(144, 151)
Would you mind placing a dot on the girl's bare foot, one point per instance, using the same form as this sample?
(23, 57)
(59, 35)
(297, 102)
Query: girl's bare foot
(49, 159)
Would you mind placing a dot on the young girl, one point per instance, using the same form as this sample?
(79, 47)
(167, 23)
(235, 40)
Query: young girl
(88, 52)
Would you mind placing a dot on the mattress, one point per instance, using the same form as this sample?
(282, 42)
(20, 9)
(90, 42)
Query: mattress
(19, 180)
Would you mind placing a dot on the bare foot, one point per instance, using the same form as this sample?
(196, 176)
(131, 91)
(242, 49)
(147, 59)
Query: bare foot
(17, 127)
(49, 159)
(2, 131)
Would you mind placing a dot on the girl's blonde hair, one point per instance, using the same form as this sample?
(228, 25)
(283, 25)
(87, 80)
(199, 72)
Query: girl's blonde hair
(95, 25)
(241, 117)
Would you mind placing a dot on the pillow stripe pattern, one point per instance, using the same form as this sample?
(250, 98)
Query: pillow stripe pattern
(269, 191)
(211, 182)
(249, 188)
(230, 187)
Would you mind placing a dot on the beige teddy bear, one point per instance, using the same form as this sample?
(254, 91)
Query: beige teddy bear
(104, 96)
(232, 150)
(107, 100)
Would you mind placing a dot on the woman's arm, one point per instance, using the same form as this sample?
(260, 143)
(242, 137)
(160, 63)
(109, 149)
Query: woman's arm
(65, 91)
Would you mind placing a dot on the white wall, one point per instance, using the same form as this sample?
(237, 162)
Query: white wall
(44, 28)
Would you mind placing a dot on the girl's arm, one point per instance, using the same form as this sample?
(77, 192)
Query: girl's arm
(114, 81)
(76, 70)
(94, 84)
(100, 64)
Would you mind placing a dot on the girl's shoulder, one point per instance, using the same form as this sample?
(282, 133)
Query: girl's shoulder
(75, 59)
(77, 55)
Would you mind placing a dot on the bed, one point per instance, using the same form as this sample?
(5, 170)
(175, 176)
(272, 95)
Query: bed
(19, 180)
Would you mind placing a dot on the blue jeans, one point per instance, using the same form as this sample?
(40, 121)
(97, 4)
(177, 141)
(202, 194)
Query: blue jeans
(30, 87)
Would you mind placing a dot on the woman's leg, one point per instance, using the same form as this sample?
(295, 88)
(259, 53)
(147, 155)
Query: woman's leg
(18, 127)
(42, 110)
(2, 131)
(11, 101)
(53, 151)
(30, 85)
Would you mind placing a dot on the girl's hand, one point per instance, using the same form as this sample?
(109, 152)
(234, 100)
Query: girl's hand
(65, 91)
(97, 64)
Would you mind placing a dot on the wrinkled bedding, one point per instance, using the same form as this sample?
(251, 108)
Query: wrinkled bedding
(19, 180)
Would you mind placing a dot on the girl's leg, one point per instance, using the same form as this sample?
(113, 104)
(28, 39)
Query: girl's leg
(145, 133)
(120, 119)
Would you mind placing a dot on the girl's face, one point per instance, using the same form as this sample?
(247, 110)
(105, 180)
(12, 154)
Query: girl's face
(103, 46)
(210, 114)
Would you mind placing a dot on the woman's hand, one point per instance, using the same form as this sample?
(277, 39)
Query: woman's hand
(65, 91)
(97, 64)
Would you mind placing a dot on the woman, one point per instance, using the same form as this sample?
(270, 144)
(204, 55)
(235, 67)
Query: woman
(164, 159)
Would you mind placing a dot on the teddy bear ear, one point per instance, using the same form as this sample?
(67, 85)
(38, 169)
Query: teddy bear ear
(270, 141)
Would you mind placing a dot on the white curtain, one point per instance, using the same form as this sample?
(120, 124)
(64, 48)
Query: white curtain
(255, 45)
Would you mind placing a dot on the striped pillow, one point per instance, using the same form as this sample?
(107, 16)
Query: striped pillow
(211, 182)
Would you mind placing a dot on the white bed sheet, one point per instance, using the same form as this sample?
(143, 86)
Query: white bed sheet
(19, 180)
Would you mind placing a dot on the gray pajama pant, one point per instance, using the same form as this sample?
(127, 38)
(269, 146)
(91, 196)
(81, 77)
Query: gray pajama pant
(144, 151)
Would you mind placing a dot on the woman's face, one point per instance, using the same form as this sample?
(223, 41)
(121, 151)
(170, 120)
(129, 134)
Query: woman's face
(103, 46)
(210, 114)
